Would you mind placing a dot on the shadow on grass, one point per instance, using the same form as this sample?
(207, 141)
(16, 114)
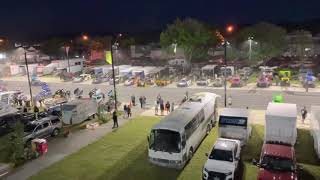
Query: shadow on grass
(253, 148)
(135, 165)
(304, 148)
(306, 175)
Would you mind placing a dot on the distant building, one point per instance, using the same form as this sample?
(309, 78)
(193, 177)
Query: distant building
(301, 44)
(33, 55)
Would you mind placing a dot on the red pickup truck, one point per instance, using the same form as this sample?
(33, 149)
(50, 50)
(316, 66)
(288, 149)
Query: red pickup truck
(277, 162)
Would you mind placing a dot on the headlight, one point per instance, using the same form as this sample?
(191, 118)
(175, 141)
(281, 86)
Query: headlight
(206, 170)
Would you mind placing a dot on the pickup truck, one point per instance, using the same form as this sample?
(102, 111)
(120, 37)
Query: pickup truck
(277, 162)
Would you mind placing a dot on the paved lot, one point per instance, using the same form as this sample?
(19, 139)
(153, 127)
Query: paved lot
(253, 98)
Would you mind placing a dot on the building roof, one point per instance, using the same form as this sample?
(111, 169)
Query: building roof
(235, 112)
(209, 67)
(225, 144)
(282, 110)
(277, 150)
(181, 116)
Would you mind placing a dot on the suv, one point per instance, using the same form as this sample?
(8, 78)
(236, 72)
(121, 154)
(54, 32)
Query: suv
(224, 160)
(48, 126)
(277, 162)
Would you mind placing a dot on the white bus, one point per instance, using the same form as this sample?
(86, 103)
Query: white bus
(174, 140)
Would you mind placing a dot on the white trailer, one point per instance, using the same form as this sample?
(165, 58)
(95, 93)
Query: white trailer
(77, 111)
(281, 123)
(315, 128)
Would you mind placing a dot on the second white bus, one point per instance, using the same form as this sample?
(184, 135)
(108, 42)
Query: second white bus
(174, 140)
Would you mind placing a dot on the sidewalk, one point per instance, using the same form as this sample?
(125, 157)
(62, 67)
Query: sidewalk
(62, 147)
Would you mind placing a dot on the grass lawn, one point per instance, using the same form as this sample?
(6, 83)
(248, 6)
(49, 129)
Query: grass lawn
(123, 155)
(253, 77)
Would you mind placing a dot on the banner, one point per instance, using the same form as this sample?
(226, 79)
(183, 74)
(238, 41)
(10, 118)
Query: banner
(109, 57)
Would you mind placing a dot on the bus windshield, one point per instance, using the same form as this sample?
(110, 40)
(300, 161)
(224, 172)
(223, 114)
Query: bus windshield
(165, 140)
(233, 121)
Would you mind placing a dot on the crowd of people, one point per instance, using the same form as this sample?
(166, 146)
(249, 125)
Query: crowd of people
(162, 106)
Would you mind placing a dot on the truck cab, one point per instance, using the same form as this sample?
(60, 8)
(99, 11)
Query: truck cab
(277, 162)
(223, 161)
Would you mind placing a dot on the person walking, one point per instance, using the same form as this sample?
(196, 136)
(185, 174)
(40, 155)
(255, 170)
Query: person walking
(115, 119)
(141, 101)
(303, 114)
(229, 100)
(90, 94)
(156, 108)
(168, 107)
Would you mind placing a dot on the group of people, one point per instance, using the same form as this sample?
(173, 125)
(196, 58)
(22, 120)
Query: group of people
(143, 101)
(127, 111)
(160, 105)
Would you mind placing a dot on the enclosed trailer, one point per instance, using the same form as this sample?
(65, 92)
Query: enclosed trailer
(79, 110)
(315, 128)
(281, 123)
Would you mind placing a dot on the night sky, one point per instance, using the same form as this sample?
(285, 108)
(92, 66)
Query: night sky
(31, 18)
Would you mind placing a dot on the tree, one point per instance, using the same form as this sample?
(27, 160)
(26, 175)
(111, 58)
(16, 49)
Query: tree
(53, 47)
(190, 35)
(301, 42)
(270, 40)
(17, 145)
(127, 42)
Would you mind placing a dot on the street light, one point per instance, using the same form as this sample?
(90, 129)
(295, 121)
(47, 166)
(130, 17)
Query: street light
(85, 37)
(115, 46)
(229, 30)
(250, 39)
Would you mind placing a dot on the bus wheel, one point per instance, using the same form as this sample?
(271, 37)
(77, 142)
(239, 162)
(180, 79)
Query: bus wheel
(208, 129)
(190, 153)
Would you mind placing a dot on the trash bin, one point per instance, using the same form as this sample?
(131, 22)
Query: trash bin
(40, 146)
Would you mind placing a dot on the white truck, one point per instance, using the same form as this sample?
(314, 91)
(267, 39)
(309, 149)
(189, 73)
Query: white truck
(234, 123)
(79, 110)
(315, 128)
(223, 161)
(281, 124)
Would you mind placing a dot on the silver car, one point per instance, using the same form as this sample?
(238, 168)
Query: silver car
(42, 128)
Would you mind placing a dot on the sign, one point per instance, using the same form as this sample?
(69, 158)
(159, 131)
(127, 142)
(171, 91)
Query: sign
(109, 57)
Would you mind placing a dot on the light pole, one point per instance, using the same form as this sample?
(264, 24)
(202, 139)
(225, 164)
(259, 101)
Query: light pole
(67, 48)
(115, 46)
(250, 47)
(229, 30)
(29, 82)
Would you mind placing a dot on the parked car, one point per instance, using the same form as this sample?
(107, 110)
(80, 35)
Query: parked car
(223, 161)
(45, 127)
(129, 82)
(100, 79)
(236, 81)
(218, 82)
(264, 81)
(184, 83)
(117, 80)
(203, 82)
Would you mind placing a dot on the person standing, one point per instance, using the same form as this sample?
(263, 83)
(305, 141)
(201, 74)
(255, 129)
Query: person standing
(156, 108)
(36, 111)
(133, 100)
(129, 111)
(90, 94)
(141, 101)
(303, 114)
(161, 107)
(125, 111)
(229, 101)
(115, 119)
(144, 101)
(168, 107)
(172, 106)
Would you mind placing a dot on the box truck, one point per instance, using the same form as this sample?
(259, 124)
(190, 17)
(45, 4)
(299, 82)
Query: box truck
(315, 128)
(79, 110)
(281, 123)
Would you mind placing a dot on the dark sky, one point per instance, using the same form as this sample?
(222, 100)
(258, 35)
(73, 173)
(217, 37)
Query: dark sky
(31, 18)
